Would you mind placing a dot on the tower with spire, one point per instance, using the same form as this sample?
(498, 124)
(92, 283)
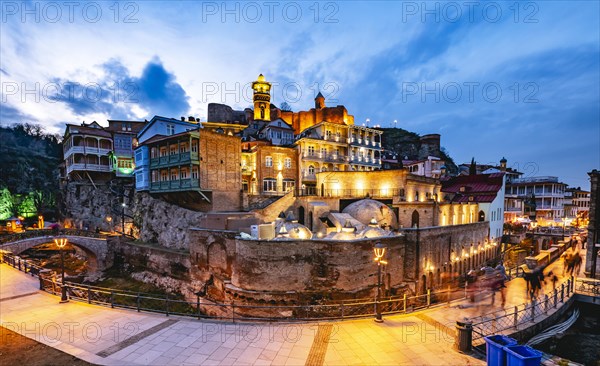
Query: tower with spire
(319, 101)
(262, 99)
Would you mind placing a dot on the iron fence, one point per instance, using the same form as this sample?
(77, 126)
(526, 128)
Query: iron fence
(513, 317)
(205, 308)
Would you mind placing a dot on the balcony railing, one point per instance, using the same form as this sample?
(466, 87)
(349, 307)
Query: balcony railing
(309, 177)
(174, 159)
(86, 150)
(336, 158)
(353, 193)
(364, 142)
(365, 160)
(175, 185)
(87, 167)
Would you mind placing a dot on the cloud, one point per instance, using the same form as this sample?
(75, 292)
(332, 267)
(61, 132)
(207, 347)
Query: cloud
(10, 115)
(118, 94)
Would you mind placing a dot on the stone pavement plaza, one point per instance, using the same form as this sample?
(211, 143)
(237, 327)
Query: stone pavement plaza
(108, 336)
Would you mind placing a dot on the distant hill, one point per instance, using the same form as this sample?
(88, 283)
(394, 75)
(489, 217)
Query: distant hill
(408, 144)
(29, 172)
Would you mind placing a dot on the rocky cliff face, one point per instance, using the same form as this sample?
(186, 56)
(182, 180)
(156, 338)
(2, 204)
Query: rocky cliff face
(89, 206)
(161, 222)
(149, 219)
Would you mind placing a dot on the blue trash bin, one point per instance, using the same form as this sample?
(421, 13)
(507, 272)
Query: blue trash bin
(494, 349)
(522, 356)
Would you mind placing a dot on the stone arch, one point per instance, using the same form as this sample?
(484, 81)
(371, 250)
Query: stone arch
(414, 219)
(95, 248)
(481, 216)
(216, 258)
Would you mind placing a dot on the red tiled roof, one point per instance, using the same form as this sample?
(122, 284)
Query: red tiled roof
(474, 188)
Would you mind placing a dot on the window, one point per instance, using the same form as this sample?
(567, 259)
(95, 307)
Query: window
(311, 150)
(183, 174)
(139, 156)
(184, 147)
(323, 152)
(174, 174)
(163, 151)
(311, 170)
(170, 129)
(139, 177)
(195, 146)
(288, 185)
(173, 149)
(269, 161)
(323, 168)
(269, 185)
(194, 172)
(287, 162)
(164, 176)
(155, 176)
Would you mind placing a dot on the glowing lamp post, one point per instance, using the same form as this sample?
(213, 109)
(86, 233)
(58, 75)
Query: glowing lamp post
(379, 250)
(61, 243)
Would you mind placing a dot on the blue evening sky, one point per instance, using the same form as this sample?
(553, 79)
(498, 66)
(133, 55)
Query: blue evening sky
(513, 79)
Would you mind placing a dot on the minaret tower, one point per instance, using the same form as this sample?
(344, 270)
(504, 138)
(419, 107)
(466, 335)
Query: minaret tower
(262, 99)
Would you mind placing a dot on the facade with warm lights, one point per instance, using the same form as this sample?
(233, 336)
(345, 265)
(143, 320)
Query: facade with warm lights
(549, 195)
(124, 134)
(269, 170)
(87, 149)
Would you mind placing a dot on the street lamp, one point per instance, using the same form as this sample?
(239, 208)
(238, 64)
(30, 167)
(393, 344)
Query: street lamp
(379, 250)
(60, 243)
(123, 205)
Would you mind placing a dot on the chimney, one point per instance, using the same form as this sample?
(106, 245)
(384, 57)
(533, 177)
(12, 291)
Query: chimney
(182, 119)
(191, 119)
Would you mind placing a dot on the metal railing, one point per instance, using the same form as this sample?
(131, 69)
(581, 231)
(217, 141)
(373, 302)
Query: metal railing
(203, 308)
(28, 234)
(513, 317)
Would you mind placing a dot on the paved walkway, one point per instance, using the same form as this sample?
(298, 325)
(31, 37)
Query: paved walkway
(121, 337)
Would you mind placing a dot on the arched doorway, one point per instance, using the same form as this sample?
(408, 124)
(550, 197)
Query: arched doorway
(301, 215)
(415, 219)
(481, 216)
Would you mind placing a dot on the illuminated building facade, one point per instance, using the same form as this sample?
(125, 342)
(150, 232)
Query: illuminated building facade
(124, 134)
(549, 196)
(87, 149)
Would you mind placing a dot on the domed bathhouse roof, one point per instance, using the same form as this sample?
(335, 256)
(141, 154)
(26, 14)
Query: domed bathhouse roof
(367, 209)
(373, 231)
(291, 229)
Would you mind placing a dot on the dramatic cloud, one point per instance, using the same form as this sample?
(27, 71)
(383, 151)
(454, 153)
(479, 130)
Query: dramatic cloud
(119, 95)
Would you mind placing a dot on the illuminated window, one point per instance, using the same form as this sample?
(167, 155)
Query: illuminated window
(195, 146)
(288, 184)
(269, 185)
(173, 149)
(163, 151)
(184, 147)
(311, 170)
(174, 174)
(164, 176)
(194, 172)
(311, 150)
(269, 161)
(287, 163)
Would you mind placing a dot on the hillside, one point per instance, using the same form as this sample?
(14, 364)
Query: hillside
(29, 175)
(408, 144)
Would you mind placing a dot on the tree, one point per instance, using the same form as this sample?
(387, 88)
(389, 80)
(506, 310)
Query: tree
(285, 107)
(473, 167)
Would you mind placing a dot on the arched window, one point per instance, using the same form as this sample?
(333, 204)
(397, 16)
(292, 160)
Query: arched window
(481, 216)
(415, 219)
(311, 170)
